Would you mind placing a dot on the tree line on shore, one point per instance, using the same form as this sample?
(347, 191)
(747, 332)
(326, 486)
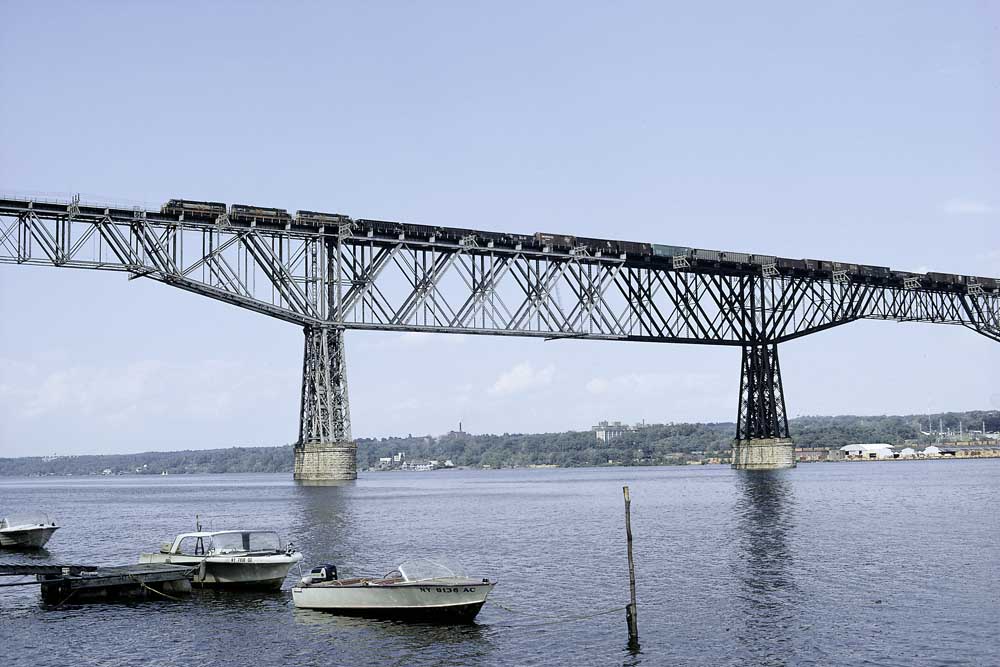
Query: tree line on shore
(661, 444)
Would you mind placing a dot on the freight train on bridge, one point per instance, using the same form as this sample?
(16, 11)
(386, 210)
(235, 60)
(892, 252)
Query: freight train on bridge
(329, 272)
(667, 256)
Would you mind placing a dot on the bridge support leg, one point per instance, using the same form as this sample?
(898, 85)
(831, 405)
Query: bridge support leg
(762, 441)
(325, 451)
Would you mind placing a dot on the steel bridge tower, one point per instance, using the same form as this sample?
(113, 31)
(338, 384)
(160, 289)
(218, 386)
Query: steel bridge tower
(324, 449)
(329, 273)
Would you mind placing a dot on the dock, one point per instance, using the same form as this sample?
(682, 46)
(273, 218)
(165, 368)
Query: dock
(91, 583)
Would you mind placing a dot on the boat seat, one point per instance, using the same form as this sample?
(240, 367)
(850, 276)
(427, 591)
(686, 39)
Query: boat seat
(359, 581)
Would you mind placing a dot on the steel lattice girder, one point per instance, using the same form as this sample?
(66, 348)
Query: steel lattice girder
(762, 399)
(325, 415)
(364, 283)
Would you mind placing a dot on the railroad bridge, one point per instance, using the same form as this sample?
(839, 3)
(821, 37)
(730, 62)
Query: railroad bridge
(328, 273)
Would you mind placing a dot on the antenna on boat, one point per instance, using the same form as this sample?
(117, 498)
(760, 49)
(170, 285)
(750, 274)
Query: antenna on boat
(197, 523)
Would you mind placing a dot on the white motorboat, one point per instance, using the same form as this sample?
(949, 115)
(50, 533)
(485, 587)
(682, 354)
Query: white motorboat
(419, 590)
(26, 531)
(230, 558)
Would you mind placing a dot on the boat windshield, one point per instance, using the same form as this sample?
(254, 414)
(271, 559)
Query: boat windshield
(256, 540)
(27, 520)
(421, 569)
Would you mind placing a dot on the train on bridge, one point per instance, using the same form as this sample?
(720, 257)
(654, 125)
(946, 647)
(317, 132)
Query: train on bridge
(678, 257)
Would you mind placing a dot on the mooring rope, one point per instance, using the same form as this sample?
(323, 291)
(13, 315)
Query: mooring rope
(149, 588)
(66, 599)
(521, 611)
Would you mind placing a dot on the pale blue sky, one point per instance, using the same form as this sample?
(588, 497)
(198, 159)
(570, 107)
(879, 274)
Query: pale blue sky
(856, 131)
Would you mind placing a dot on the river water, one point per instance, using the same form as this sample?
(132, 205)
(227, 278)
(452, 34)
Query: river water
(892, 563)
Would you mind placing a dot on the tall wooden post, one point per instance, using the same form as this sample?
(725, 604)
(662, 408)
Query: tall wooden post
(630, 610)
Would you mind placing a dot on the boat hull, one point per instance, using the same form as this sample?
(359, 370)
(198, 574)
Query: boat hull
(457, 602)
(26, 538)
(258, 573)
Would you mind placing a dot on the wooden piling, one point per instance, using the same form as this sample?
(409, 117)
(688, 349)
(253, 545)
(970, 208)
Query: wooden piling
(630, 610)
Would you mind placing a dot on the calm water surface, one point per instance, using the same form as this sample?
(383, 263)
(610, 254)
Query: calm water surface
(866, 563)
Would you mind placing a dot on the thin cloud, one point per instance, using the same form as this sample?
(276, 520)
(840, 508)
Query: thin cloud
(521, 378)
(967, 207)
(134, 393)
(651, 383)
(408, 340)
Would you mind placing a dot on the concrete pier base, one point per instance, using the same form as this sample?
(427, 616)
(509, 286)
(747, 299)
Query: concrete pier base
(326, 462)
(763, 454)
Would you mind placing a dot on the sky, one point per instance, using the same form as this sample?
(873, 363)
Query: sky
(863, 132)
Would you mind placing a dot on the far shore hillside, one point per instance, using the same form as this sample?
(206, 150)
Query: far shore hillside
(606, 443)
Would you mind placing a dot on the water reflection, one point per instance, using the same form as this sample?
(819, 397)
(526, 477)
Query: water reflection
(766, 615)
(402, 643)
(325, 482)
(14, 554)
(424, 633)
(322, 521)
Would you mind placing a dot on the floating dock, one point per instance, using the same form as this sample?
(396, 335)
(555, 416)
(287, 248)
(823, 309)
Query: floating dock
(90, 583)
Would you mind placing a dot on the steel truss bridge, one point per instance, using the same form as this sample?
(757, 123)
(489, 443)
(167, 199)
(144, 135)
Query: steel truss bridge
(346, 276)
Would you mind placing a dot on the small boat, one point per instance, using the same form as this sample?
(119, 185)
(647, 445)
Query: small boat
(419, 590)
(26, 531)
(230, 558)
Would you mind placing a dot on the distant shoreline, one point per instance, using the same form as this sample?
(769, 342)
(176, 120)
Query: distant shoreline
(641, 445)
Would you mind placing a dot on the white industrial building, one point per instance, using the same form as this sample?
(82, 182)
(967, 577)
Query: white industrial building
(874, 450)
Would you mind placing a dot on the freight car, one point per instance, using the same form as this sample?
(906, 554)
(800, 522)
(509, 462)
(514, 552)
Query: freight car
(850, 269)
(555, 241)
(636, 249)
(976, 280)
(257, 215)
(498, 239)
(318, 219)
(707, 256)
(419, 232)
(380, 228)
(906, 275)
(191, 209)
(987, 283)
(455, 234)
(763, 260)
(789, 264)
(606, 247)
(671, 251)
(819, 266)
(524, 241)
(728, 257)
(943, 278)
(869, 271)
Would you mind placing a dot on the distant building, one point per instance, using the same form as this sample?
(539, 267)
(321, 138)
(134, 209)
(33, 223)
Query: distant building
(392, 462)
(876, 450)
(419, 465)
(608, 431)
(811, 454)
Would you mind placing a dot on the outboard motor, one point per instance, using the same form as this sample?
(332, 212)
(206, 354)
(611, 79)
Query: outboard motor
(324, 572)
